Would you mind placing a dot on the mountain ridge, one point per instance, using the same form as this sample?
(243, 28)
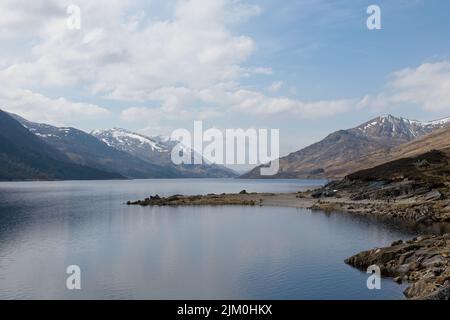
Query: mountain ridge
(115, 150)
(320, 159)
(83, 148)
(24, 156)
(157, 150)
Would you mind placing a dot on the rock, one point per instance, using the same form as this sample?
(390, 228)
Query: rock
(398, 280)
(438, 271)
(433, 196)
(436, 261)
(421, 261)
(396, 243)
(330, 193)
(197, 200)
(404, 269)
(243, 192)
(422, 164)
(316, 194)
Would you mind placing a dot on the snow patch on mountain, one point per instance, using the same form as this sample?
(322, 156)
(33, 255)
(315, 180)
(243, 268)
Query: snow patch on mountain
(124, 139)
(390, 126)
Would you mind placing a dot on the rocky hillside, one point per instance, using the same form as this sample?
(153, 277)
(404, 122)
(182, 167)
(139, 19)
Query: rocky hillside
(158, 151)
(84, 149)
(119, 151)
(437, 140)
(25, 156)
(334, 156)
(416, 189)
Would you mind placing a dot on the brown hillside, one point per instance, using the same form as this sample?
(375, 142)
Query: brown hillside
(438, 140)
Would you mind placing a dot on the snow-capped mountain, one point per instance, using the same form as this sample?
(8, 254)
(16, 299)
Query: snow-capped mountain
(157, 150)
(84, 149)
(321, 159)
(138, 145)
(388, 126)
(25, 156)
(127, 140)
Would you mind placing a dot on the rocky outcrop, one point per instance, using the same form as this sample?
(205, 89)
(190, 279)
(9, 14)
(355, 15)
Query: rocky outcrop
(416, 212)
(423, 262)
(414, 189)
(243, 198)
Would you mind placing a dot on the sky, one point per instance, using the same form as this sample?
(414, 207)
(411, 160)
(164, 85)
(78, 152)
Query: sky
(305, 67)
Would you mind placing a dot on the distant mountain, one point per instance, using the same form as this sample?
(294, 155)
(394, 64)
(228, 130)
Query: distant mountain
(332, 157)
(135, 144)
(388, 128)
(82, 148)
(158, 150)
(24, 156)
(436, 140)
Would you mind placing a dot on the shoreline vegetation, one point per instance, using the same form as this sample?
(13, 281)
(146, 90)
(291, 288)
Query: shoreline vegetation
(413, 190)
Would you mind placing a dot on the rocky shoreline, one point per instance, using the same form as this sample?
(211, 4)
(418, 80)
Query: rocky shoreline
(413, 190)
(414, 210)
(423, 261)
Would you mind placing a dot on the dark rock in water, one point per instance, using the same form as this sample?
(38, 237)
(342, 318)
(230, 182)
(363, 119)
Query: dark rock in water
(398, 280)
(243, 192)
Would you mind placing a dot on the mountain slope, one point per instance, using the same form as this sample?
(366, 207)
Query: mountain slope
(84, 149)
(333, 156)
(24, 156)
(157, 150)
(437, 140)
(135, 144)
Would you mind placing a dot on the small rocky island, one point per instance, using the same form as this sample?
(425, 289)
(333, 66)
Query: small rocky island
(243, 199)
(414, 190)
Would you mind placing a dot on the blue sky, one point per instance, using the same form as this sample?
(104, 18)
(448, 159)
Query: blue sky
(305, 67)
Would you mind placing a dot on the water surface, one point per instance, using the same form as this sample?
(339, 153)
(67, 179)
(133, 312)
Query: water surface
(179, 253)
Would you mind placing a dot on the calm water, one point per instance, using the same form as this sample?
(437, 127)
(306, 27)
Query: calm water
(179, 253)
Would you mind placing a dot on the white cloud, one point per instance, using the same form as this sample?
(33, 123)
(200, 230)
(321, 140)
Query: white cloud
(182, 104)
(147, 116)
(124, 58)
(257, 103)
(427, 86)
(39, 108)
(261, 70)
(18, 16)
(187, 65)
